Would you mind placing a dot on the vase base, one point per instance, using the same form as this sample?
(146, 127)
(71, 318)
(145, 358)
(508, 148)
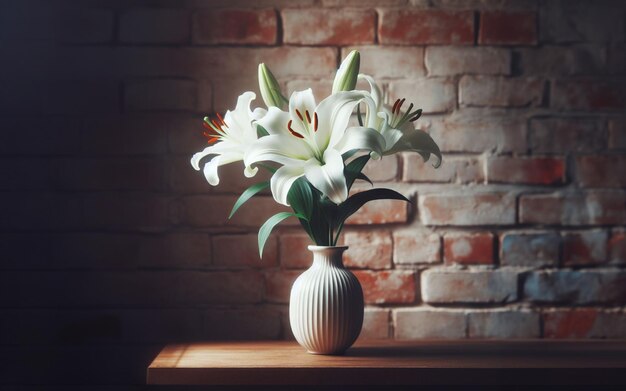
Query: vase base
(340, 353)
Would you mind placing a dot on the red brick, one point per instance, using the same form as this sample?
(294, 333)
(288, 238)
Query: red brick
(429, 323)
(503, 324)
(561, 60)
(592, 286)
(399, 26)
(617, 247)
(242, 324)
(148, 25)
(601, 171)
(590, 208)
(466, 209)
(381, 212)
(528, 170)
(126, 210)
(390, 61)
(184, 249)
(226, 93)
(242, 251)
(499, 91)
(443, 286)
(507, 28)
(617, 133)
(382, 170)
(588, 95)
(294, 253)
(321, 88)
(478, 130)
(182, 178)
(388, 287)
(278, 285)
(376, 322)
(368, 250)
(235, 26)
(468, 248)
(584, 323)
(432, 95)
(161, 94)
(534, 249)
(350, 26)
(585, 247)
(564, 135)
(414, 247)
(459, 60)
(453, 170)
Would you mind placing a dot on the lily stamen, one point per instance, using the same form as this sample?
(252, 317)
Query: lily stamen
(315, 122)
(299, 115)
(293, 132)
(308, 117)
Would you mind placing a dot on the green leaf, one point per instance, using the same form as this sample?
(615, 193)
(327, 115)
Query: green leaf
(247, 194)
(268, 226)
(354, 168)
(300, 197)
(261, 131)
(365, 178)
(355, 202)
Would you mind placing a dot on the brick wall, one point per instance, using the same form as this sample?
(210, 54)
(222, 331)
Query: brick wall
(113, 246)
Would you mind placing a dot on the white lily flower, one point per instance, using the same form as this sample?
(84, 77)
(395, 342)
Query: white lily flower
(230, 137)
(395, 125)
(309, 140)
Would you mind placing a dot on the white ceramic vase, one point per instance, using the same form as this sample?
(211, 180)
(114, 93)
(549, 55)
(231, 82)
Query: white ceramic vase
(326, 304)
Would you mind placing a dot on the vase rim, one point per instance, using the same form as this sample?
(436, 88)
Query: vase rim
(320, 248)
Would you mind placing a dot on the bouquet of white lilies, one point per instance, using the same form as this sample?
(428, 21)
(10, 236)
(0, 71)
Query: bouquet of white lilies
(312, 152)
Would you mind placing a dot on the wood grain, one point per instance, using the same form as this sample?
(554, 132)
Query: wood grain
(394, 363)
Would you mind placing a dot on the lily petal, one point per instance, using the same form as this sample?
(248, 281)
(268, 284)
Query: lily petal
(334, 114)
(280, 148)
(328, 178)
(275, 121)
(210, 168)
(282, 180)
(216, 149)
(239, 119)
(360, 138)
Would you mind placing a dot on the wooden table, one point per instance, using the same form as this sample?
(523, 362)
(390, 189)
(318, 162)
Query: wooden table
(398, 363)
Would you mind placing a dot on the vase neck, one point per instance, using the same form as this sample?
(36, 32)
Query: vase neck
(328, 255)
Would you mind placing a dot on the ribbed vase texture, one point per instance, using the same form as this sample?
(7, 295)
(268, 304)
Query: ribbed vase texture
(326, 305)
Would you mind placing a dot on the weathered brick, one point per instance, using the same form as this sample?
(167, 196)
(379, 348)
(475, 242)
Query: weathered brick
(576, 286)
(585, 247)
(575, 21)
(593, 207)
(561, 61)
(294, 253)
(375, 324)
(398, 26)
(528, 170)
(252, 323)
(242, 251)
(503, 324)
(468, 248)
(413, 247)
(601, 171)
(534, 249)
(478, 130)
(390, 61)
(584, 323)
(432, 95)
(564, 135)
(617, 133)
(451, 61)
(182, 178)
(617, 247)
(382, 170)
(370, 250)
(428, 323)
(278, 285)
(507, 28)
(148, 25)
(235, 26)
(161, 94)
(381, 212)
(616, 59)
(587, 95)
(350, 26)
(453, 169)
(321, 88)
(226, 93)
(388, 287)
(498, 91)
(465, 209)
(441, 286)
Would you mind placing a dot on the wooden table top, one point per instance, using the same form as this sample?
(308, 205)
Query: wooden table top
(462, 362)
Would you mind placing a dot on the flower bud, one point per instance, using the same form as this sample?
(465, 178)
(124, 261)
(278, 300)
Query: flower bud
(345, 79)
(270, 90)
